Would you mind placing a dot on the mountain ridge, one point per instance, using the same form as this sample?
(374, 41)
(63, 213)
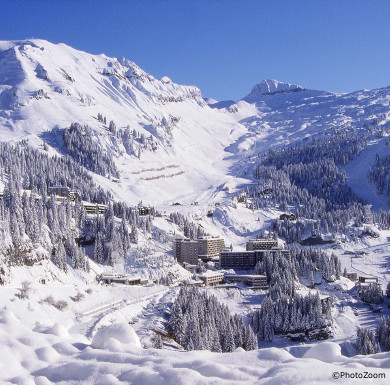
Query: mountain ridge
(45, 87)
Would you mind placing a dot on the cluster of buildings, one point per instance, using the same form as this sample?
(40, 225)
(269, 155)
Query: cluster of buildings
(63, 192)
(189, 251)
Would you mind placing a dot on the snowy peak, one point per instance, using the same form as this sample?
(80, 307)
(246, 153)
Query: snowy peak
(63, 85)
(272, 86)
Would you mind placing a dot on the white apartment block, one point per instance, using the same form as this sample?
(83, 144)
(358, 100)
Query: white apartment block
(211, 278)
(210, 247)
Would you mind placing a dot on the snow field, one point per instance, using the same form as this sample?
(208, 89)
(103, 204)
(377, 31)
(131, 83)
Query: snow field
(114, 356)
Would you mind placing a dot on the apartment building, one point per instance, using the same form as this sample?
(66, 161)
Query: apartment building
(240, 260)
(247, 260)
(210, 247)
(254, 281)
(186, 251)
(261, 244)
(211, 278)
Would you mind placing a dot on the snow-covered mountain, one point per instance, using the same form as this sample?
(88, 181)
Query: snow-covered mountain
(44, 86)
(272, 87)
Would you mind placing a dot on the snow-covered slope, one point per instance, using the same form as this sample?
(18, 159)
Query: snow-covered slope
(45, 86)
(279, 114)
(287, 112)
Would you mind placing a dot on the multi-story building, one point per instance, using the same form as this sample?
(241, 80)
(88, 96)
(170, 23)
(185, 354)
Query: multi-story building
(186, 250)
(211, 278)
(210, 247)
(247, 260)
(240, 260)
(65, 192)
(261, 244)
(255, 281)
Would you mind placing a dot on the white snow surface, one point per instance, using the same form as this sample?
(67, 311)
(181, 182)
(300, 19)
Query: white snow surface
(54, 355)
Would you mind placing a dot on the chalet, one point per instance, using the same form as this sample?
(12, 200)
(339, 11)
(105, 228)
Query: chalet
(325, 299)
(59, 190)
(191, 268)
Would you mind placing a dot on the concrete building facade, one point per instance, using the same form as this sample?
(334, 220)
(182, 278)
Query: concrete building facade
(247, 260)
(240, 260)
(261, 244)
(212, 278)
(210, 247)
(255, 281)
(186, 251)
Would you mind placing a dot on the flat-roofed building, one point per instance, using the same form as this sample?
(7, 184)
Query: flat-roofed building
(261, 244)
(65, 192)
(185, 250)
(240, 260)
(252, 280)
(369, 280)
(247, 260)
(94, 208)
(210, 247)
(211, 278)
(125, 279)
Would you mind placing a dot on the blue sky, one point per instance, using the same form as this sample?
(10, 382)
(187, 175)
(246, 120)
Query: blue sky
(222, 46)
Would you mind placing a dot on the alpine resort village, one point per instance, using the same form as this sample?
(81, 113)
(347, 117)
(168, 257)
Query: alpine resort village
(232, 232)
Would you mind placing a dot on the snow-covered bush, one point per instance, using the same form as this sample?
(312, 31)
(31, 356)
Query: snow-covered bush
(78, 297)
(115, 337)
(50, 300)
(25, 290)
(61, 305)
